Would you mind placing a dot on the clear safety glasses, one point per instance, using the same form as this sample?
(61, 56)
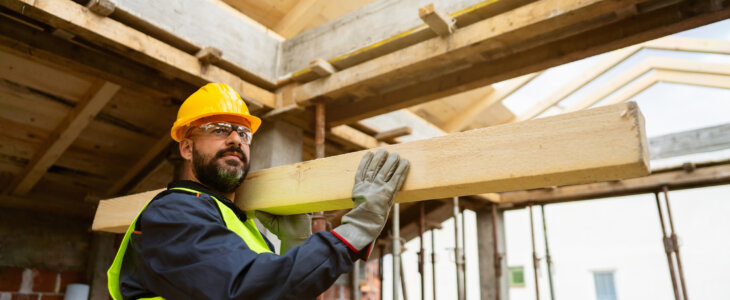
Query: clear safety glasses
(224, 129)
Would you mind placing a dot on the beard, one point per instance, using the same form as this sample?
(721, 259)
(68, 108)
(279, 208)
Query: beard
(223, 178)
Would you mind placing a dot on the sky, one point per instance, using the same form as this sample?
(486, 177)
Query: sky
(667, 107)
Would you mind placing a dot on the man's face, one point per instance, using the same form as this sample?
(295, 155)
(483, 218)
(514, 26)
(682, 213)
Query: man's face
(220, 162)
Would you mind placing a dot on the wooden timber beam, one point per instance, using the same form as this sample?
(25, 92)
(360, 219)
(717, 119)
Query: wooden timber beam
(651, 63)
(468, 116)
(533, 20)
(62, 137)
(509, 64)
(38, 45)
(384, 27)
(390, 135)
(113, 35)
(606, 143)
(674, 179)
(134, 171)
(614, 58)
(437, 20)
(687, 78)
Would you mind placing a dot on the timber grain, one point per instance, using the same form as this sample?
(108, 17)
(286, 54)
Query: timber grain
(605, 143)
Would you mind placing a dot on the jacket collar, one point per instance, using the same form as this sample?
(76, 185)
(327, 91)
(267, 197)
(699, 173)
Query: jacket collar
(188, 184)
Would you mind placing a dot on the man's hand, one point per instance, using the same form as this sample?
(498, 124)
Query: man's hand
(292, 230)
(377, 180)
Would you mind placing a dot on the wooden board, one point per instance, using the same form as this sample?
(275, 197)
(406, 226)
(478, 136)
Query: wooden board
(674, 179)
(539, 19)
(601, 144)
(123, 39)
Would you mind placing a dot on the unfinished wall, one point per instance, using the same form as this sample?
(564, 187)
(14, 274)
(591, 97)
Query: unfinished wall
(41, 254)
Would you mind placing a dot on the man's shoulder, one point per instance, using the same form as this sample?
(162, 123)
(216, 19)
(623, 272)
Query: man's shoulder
(180, 200)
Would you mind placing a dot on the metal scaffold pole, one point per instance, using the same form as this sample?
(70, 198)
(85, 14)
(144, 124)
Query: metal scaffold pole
(667, 248)
(463, 250)
(535, 259)
(548, 259)
(396, 251)
(433, 261)
(497, 255)
(421, 254)
(319, 221)
(458, 258)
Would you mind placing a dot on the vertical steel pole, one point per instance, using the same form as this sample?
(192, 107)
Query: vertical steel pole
(547, 253)
(497, 256)
(457, 253)
(319, 222)
(380, 268)
(396, 251)
(675, 243)
(463, 249)
(403, 281)
(421, 254)
(535, 260)
(355, 282)
(433, 261)
(667, 248)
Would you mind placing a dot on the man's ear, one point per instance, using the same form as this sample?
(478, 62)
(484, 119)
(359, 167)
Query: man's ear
(186, 149)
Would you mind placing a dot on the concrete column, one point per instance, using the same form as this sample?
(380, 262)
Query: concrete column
(485, 240)
(276, 143)
(101, 257)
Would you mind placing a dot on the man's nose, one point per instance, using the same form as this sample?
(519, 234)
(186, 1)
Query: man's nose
(234, 139)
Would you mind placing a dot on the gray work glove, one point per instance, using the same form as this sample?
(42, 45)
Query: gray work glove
(377, 180)
(292, 230)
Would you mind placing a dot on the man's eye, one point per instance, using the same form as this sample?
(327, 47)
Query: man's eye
(219, 130)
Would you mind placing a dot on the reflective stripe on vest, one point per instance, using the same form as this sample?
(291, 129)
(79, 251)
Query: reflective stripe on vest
(246, 230)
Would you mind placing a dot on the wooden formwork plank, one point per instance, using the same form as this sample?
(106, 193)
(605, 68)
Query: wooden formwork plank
(601, 144)
(106, 32)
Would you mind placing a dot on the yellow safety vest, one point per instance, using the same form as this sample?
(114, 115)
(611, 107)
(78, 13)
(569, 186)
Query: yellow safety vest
(246, 230)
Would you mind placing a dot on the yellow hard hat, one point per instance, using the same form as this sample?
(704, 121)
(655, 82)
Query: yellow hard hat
(213, 100)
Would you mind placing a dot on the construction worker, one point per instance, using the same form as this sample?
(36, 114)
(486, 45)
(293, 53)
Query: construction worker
(192, 242)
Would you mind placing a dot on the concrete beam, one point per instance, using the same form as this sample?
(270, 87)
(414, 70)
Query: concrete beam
(245, 44)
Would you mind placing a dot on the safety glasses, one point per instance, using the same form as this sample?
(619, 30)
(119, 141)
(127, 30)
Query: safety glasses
(223, 130)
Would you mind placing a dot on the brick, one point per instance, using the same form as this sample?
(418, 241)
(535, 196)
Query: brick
(44, 280)
(31, 296)
(52, 297)
(10, 279)
(68, 277)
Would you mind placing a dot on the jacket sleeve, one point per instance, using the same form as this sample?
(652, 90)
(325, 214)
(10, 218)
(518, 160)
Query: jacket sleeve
(186, 252)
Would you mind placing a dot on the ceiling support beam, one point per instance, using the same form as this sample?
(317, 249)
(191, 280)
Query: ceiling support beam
(651, 63)
(468, 116)
(687, 78)
(64, 135)
(138, 166)
(600, 144)
(535, 55)
(674, 179)
(530, 21)
(116, 36)
(671, 43)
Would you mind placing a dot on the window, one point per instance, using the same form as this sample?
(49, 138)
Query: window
(605, 287)
(516, 276)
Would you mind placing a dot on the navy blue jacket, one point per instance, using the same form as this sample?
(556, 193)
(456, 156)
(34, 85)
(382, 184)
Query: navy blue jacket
(183, 250)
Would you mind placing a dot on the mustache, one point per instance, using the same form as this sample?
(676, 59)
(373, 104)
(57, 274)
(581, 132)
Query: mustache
(220, 153)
